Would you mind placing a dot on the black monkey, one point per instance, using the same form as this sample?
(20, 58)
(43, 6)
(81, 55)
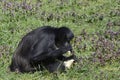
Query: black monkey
(42, 48)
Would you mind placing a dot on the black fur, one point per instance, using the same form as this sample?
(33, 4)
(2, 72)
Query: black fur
(42, 48)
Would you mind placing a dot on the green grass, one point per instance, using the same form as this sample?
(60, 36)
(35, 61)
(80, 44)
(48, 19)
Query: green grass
(91, 15)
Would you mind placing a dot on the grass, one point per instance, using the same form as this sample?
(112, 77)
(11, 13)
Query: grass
(95, 23)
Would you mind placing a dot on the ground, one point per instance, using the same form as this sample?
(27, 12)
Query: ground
(95, 23)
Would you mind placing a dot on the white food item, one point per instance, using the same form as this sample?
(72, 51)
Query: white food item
(69, 52)
(68, 63)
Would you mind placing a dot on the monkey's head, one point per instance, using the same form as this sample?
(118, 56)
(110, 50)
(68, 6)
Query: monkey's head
(63, 37)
